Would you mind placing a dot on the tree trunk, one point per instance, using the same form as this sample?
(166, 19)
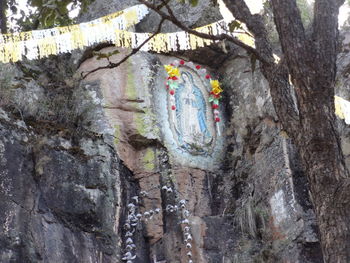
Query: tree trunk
(319, 146)
(312, 66)
(310, 62)
(318, 143)
(3, 19)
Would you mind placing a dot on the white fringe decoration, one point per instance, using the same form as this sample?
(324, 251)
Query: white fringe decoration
(112, 28)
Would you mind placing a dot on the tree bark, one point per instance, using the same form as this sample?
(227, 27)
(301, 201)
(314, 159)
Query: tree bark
(311, 64)
(320, 151)
(3, 19)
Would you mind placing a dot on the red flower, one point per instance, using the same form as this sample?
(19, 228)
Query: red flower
(215, 106)
(217, 96)
(217, 119)
(172, 92)
(171, 64)
(182, 62)
(212, 93)
(198, 67)
(207, 76)
(174, 78)
(173, 107)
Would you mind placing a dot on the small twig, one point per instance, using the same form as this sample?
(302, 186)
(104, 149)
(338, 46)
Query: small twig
(164, 3)
(133, 52)
(242, 28)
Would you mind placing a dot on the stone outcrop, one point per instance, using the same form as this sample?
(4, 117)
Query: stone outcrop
(59, 200)
(82, 154)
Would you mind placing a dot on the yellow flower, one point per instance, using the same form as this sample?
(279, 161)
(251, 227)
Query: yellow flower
(172, 72)
(215, 85)
(168, 68)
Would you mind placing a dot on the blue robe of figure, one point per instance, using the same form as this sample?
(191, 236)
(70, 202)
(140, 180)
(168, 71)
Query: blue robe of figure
(199, 103)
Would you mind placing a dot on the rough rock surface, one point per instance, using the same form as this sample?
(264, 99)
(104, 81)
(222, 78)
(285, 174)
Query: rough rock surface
(76, 151)
(59, 200)
(202, 14)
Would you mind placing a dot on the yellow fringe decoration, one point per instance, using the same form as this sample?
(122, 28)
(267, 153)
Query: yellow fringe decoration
(131, 18)
(11, 52)
(159, 43)
(246, 39)
(193, 41)
(77, 37)
(127, 39)
(206, 30)
(108, 18)
(123, 39)
(42, 43)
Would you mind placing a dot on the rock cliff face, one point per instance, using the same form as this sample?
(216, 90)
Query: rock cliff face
(94, 166)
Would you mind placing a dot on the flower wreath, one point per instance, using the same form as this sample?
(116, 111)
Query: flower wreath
(172, 84)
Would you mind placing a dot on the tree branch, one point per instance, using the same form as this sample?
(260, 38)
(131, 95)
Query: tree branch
(276, 75)
(285, 103)
(134, 51)
(171, 17)
(325, 31)
(255, 25)
(3, 18)
(292, 35)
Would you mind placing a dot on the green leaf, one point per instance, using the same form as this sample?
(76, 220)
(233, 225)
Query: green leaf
(100, 55)
(211, 99)
(194, 2)
(37, 3)
(50, 13)
(216, 101)
(113, 53)
(49, 19)
(173, 85)
(234, 25)
(62, 7)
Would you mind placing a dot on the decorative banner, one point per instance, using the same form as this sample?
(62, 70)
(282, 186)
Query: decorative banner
(111, 28)
(42, 43)
(167, 42)
(185, 41)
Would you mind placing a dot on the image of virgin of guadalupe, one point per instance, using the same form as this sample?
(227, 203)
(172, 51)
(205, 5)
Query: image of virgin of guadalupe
(191, 123)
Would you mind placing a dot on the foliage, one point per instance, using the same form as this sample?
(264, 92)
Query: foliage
(191, 2)
(234, 25)
(306, 12)
(56, 11)
(44, 14)
(101, 55)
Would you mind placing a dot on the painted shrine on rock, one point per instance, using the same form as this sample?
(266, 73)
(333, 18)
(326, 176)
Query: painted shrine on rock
(190, 113)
